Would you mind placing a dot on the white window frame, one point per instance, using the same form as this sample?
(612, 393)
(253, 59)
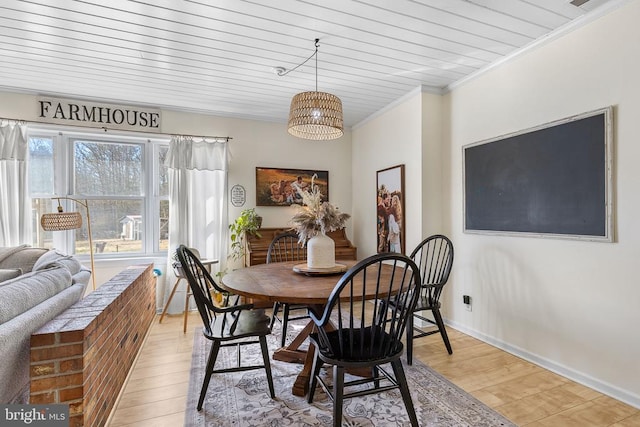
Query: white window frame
(63, 183)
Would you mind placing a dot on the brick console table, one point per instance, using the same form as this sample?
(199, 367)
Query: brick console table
(83, 356)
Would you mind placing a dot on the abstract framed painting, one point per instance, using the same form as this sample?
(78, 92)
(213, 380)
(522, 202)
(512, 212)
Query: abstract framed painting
(390, 209)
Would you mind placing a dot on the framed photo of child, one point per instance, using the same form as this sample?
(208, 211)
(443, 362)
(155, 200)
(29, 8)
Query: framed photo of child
(390, 209)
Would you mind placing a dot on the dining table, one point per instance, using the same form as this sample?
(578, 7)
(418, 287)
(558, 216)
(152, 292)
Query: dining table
(288, 282)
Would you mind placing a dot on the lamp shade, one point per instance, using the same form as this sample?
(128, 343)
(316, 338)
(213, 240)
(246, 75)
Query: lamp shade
(316, 115)
(61, 221)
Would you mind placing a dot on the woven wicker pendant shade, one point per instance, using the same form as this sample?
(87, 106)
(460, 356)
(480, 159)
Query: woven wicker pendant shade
(316, 115)
(61, 221)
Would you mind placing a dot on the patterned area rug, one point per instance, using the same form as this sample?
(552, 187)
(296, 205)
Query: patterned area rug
(242, 399)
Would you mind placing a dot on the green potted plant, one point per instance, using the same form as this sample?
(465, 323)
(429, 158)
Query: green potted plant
(247, 223)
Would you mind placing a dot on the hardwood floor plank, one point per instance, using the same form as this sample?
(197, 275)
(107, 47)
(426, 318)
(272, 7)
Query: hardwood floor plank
(140, 397)
(172, 420)
(632, 421)
(160, 369)
(603, 411)
(150, 410)
(522, 387)
(163, 359)
(535, 407)
(495, 376)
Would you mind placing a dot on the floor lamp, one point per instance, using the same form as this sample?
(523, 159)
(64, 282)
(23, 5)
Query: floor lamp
(62, 221)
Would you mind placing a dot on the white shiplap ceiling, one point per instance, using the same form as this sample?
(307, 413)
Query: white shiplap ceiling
(217, 56)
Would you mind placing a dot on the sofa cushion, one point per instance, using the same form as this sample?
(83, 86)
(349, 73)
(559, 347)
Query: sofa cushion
(7, 251)
(24, 292)
(23, 257)
(54, 258)
(9, 273)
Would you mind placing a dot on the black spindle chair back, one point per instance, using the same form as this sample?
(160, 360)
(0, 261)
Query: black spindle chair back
(434, 257)
(286, 247)
(365, 336)
(202, 283)
(356, 330)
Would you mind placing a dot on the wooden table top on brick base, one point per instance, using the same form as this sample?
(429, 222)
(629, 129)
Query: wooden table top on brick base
(278, 282)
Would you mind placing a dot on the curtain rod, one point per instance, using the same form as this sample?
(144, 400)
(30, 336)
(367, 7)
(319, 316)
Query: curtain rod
(106, 129)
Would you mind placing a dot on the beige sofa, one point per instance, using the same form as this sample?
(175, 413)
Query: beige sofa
(35, 286)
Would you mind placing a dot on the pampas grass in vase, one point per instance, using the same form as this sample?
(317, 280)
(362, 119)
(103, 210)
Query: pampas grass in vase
(313, 220)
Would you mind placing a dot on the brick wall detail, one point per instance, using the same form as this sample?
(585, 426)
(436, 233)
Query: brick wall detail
(83, 356)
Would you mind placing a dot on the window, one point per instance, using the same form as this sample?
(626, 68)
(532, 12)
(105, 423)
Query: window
(123, 179)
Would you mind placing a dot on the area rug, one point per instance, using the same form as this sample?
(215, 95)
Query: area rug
(242, 399)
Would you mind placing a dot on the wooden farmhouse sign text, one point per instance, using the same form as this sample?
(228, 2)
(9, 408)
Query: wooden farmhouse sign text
(81, 113)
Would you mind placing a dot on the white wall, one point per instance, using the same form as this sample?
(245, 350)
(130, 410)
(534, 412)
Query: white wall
(254, 143)
(393, 137)
(433, 218)
(267, 144)
(572, 306)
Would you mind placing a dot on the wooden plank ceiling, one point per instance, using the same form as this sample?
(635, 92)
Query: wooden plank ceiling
(218, 57)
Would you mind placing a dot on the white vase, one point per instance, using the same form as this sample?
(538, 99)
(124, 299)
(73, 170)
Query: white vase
(321, 252)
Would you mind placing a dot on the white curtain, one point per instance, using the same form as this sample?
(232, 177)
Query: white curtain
(197, 203)
(15, 203)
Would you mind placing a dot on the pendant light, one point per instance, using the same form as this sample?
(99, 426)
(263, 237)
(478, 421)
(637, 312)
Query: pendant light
(315, 115)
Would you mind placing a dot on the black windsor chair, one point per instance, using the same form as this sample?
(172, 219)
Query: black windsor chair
(227, 325)
(178, 272)
(434, 257)
(286, 247)
(364, 340)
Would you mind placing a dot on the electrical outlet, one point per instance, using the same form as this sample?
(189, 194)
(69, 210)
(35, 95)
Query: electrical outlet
(466, 299)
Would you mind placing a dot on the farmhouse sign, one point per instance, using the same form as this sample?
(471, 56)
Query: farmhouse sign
(81, 113)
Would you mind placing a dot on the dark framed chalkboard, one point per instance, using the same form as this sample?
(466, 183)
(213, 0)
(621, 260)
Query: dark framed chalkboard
(554, 180)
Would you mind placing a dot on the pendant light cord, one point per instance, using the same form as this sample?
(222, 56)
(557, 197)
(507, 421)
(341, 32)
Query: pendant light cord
(284, 73)
(316, 54)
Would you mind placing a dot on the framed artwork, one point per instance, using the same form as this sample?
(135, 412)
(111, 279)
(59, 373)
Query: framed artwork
(238, 195)
(274, 186)
(390, 208)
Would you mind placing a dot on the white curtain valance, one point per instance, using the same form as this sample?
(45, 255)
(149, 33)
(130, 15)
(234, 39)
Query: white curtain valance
(187, 153)
(13, 141)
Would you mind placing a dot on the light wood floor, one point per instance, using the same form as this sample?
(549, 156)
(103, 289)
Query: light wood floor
(528, 395)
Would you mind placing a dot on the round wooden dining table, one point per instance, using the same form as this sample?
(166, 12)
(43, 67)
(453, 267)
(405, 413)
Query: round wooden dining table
(279, 282)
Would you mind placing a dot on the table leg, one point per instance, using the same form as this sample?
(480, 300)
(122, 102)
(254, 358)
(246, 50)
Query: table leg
(292, 353)
(301, 384)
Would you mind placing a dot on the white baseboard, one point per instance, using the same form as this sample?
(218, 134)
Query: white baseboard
(579, 377)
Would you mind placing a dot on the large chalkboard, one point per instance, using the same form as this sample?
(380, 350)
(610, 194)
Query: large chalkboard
(550, 181)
